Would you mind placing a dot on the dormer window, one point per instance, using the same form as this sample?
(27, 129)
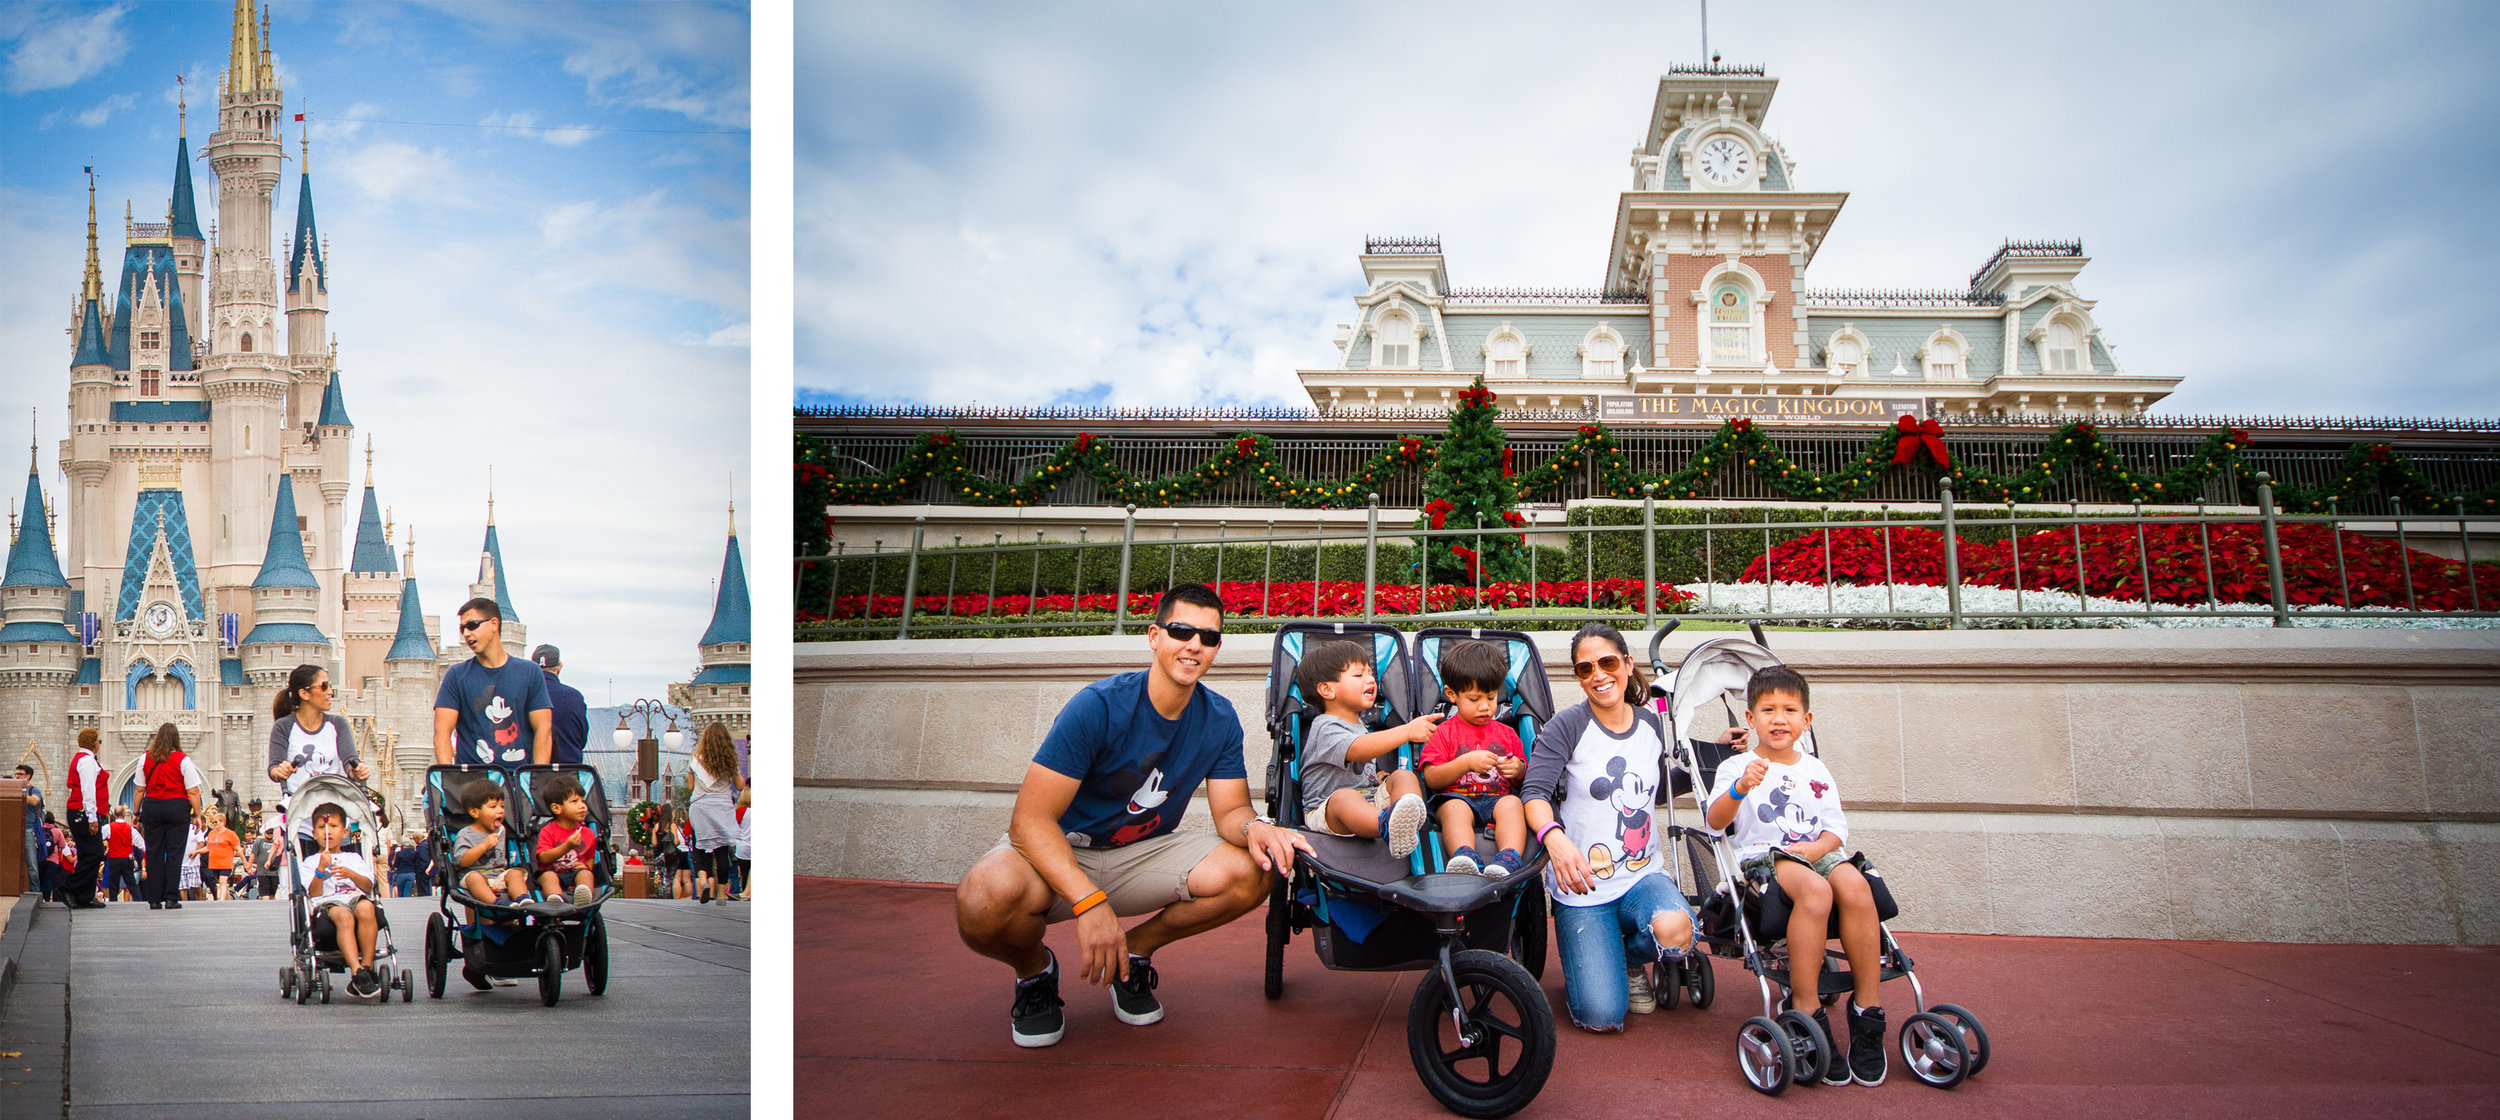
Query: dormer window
(1943, 354)
(2065, 347)
(1601, 353)
(1506, 354)
(1395, 335)
(1845, 354)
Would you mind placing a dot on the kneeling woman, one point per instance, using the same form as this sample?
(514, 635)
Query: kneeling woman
(1592, 781)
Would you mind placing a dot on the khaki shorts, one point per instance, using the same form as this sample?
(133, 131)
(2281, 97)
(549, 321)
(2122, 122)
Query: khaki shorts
(1317, 819)
(1141, 878)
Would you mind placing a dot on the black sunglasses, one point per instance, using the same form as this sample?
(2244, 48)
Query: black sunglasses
(473, 624)
(1609, 664)
(1208, 636)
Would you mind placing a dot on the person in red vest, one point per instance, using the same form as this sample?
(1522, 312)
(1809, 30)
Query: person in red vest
(170, 799)
(86, 819)
(121, 856)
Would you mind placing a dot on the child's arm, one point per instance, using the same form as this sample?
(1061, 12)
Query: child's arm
(475, 853)
(548, 856)
(1440, 775)
(1368, 747)
(363, 883)
(1722, 812)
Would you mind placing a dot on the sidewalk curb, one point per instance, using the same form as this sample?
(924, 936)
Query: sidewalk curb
(13, 934)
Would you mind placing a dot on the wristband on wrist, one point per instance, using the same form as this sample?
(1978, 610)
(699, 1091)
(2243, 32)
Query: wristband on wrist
(1549, 827)
(1087, 903)
(1734, 794)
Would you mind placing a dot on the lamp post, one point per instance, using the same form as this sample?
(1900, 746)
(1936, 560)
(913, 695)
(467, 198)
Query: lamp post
(647, 758)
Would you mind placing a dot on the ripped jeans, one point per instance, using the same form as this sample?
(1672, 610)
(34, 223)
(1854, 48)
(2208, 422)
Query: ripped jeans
(1598, 942)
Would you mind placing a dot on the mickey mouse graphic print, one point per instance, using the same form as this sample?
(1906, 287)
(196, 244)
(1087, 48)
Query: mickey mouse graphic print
(1136, 769)
(1795, 803)
(494, 707)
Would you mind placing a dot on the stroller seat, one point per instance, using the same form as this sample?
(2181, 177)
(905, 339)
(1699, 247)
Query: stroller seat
(1365, 865)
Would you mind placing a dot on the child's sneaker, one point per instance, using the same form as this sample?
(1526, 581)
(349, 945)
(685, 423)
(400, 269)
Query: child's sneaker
(1837, 1072)
(1866, 1044)
(1406, 818)
(1504, 863)
(1463, 862)
(1133, 999)
(1035, 1019)
(581, 895)
(362, 984)
(1644, 998)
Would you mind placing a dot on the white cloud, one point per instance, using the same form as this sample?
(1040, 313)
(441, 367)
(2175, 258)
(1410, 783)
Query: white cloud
(103, 111)
(387, 171)
(526, 125)
(56, 48)
(346, 125)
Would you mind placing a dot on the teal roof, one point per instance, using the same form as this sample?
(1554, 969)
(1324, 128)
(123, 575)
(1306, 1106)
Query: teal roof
(91, 350)
(731, 614)
(334, 406)
(1890, 339)
(31, 562)
(282, 565)
(291, 633)
(186, 215)
(373, 554)
(725, 674)
(143, 517)
(1774, 176)
(160, 412)
(411, 641)
(90, 671)
(307, 245)
(36, 632)
(1553, 340)
(230, 673)
(503, 587)
(139, 262)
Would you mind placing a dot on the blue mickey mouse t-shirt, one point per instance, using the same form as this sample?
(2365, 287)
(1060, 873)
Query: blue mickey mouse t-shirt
(494, 705)
(1136, 769)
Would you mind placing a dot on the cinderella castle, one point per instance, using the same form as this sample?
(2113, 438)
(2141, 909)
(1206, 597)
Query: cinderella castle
(207, 550)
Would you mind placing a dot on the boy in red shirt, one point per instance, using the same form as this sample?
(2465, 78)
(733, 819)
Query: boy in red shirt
(566, 844)
(1472, 763)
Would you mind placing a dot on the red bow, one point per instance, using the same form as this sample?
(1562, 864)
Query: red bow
(810, 472)
(1409, 445)
(1742, 423)
(1245, 445)
(1084, 442)
(1506, 462)
(1478, 396)
(1469, 556)
(1915, 434)
(2239, 436)
(1440, 511)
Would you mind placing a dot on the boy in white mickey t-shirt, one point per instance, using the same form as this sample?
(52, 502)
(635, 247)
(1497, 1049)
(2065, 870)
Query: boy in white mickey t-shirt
(340, 879)
(1780, 808)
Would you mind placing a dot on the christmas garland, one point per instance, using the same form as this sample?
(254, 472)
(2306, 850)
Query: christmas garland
(638, 822)
(2077, 447)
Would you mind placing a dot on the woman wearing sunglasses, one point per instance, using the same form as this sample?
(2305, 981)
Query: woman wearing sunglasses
(1592, 780)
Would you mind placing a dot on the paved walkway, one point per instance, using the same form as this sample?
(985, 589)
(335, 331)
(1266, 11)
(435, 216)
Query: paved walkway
(892, 1008)
(178, 1012)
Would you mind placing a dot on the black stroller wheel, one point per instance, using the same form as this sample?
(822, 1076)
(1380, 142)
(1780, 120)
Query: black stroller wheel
(322, 981)
(1500, 1063)
(1973, 1035)
(303, 984)
(1932, 1047)
(1528, 932)
(1698, 983)
(1809, 1050)
(1668, 984)
(407, 987)
(550, 969)
(1279, 928)
(437, 954)
(1764, 1056)
(595, 956)
(286, 981)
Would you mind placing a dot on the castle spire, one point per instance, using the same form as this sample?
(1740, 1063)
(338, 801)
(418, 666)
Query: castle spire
(94, 288)
(283, 564)
(410, 643)
(732, 614)
(243, 57)
(373, 546)
(31, 562)
(184, 211)
(307, 242)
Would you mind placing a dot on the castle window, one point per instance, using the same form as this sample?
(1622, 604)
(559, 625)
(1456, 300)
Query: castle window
(148, 382)
(2065, 347)
(1396, 337)
(150, 340)
(247, 342)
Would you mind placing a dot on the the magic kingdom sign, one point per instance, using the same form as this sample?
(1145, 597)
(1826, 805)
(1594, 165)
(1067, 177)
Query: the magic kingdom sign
(1693, 407)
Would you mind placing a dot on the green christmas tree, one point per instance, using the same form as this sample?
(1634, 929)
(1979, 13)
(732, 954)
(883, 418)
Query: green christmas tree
(1469, 485)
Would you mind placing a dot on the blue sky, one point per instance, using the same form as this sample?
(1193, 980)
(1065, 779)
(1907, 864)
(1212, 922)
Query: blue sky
(538, 224)
(1162, 204)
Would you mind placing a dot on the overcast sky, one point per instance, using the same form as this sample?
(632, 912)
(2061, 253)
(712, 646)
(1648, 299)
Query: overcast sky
(538, 225)
(2289, 205)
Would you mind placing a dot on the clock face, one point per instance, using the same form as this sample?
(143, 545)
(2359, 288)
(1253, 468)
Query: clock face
(160, 619)
(1725, 160)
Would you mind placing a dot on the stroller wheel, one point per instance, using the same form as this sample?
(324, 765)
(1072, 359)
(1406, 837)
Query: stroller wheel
(407, 986)
(595, 956)
(1669, 985)
(1498, 1060)
(1697, 981)
(1764, 1056)
(303, 984)
(323, 979)
(550, 969)
(1932, 1046)
(1528, 931)
(1279, 917)
(437, 955)
(1973, 1035)
(286, 981)
(1810, 1051)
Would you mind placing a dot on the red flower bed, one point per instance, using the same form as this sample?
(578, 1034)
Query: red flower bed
(1251, 599)
(2115, 566)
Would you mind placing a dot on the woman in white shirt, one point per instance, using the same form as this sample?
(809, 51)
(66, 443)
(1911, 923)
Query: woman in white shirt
(712, 808)
(304, 738)
(1593, 777)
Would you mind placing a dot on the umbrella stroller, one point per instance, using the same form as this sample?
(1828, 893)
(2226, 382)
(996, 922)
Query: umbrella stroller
(315, 944)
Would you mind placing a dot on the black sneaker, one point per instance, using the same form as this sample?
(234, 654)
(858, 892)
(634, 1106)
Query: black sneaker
(473, 970)
(1836, 1072)
(362, 984)
(1133, 999)
(1035, 1020)
(1866, 1044)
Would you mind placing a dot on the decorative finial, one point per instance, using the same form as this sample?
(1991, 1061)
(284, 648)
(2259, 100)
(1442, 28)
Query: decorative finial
(94, 288)
(182, 108)
(34, 440)
(387, 527)
(490, 495)
(368, 460)
(408, 558)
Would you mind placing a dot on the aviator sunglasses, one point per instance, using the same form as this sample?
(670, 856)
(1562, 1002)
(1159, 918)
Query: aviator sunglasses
(1609, 664)
(1208, 636)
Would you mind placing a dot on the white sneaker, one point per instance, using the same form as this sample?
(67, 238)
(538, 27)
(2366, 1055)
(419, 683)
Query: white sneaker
(1462, 862)
(1644, 998)
(1406, 818)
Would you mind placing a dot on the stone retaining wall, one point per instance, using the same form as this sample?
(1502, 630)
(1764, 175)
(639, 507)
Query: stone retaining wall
(2302, 785)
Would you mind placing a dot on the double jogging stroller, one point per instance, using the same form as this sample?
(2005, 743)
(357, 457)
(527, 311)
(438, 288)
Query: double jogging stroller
(1940, 1046)
(316, 949)
(515, 938)
(1479, 1030)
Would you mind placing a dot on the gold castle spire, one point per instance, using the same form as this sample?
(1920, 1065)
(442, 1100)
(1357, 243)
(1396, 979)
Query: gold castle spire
(94, 288)
(247, 61)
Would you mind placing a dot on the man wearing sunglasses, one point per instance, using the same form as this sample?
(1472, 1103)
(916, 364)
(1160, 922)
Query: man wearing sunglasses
(1095, 839)
(487, 703)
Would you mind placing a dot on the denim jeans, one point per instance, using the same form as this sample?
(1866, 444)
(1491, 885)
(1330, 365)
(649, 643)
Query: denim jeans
(404, 884)
(1598, 942)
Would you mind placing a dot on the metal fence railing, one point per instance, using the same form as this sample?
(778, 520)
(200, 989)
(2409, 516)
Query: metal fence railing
(2262, 566)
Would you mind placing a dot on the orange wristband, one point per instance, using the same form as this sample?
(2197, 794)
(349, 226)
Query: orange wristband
(1086, 903)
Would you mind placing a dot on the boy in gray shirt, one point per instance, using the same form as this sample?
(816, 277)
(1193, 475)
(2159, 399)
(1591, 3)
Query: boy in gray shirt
(1343, 790)
(479, 851)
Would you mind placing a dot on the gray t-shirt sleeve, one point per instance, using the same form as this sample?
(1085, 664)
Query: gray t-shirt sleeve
(1324, 768)
(346, 741)
(277, 743)
(470, 838)
(1551, 753)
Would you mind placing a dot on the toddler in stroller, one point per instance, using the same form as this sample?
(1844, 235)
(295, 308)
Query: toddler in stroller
(335, 926)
